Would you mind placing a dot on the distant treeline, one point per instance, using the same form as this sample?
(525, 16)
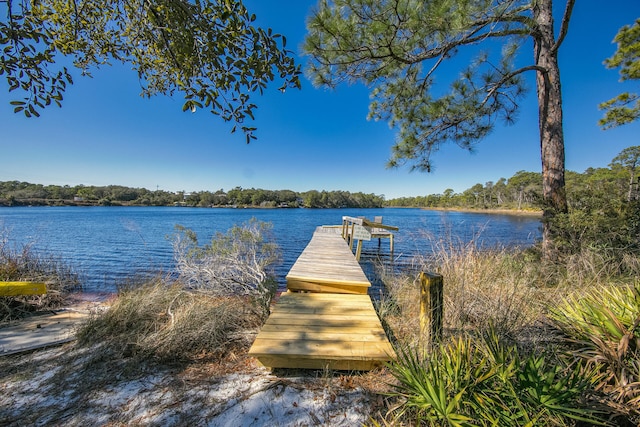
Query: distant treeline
(15, 193)
(523, 191)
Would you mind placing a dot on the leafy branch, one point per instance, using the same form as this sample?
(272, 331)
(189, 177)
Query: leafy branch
(212, 52)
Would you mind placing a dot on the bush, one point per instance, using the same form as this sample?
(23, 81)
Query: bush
(612, 228)
(238, 263)
(602, 328)
(514, 292)
(223, 289)
(482, 382)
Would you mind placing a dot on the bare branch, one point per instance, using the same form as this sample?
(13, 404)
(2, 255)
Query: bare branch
(564, 27)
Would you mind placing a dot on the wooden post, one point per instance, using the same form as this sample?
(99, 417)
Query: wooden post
(353, 227)
(358, 250)
(431, 308)
(345, 230)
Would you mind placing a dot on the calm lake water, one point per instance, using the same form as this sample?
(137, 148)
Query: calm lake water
(107, 244)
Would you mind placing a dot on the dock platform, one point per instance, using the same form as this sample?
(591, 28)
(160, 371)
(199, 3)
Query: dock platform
(327, 265)
(325, 320)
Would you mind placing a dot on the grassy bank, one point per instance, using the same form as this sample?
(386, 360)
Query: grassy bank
(524, 342)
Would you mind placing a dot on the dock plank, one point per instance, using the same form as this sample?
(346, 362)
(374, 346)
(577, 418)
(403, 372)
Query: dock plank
(41, 331)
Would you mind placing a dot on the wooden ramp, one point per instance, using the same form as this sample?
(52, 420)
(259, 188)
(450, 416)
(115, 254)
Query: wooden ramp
(332, 324)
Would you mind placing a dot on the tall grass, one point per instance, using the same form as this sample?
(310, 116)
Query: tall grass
(223, 289)
(481, 287)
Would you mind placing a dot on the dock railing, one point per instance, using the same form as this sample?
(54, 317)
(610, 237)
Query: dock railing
(362, 229)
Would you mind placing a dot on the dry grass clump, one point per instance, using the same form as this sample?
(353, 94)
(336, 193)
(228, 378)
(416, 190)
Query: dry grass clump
(489, 287)
(593, 266)
(163, 321)
(509, 289)
(224, 290)
(25, 265)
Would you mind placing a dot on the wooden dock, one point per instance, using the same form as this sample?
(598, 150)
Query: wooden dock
(361, 229)
(332, 323)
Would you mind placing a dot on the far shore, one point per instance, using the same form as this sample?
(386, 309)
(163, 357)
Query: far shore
(537, 213)
(72, 203)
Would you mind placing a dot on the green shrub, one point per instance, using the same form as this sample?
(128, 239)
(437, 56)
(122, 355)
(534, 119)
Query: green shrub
(482, 382)
(612, 227)
(603, 329)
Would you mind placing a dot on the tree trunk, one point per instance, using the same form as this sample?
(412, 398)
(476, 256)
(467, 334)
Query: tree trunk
(632, 186)
(550, 120)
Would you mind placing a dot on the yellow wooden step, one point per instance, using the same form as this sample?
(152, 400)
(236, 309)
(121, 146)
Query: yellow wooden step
(12, 289)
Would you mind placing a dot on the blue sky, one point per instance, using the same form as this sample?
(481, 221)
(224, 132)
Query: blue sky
(105, 133)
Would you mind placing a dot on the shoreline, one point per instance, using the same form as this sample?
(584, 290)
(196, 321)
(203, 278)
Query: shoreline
(514, 212)
(493, 211)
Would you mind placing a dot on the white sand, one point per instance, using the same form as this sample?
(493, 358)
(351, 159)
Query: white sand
(51, 387)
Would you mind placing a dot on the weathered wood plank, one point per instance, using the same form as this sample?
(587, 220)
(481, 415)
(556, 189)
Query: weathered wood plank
(316, 299)
(355, 310)
(320, 320)
(309, 286)
(355, 335)
(40, 331)
(303, 317)
(276, 361)
(344, 329)
(334, 299)
(360, 350)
